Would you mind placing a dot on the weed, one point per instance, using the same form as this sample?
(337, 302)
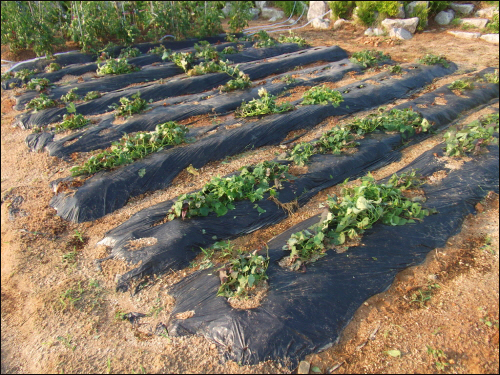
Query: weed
(156, 308)
(120, 315)
(116, 66)
(461, 85)
(266, 104)
(322, 95)
(91, 95)
(41, 102)
(492, 26)
(66, 342)
(369, 58)
(71, 96)
(439, 356)
(52, 67)
(70, 257)
(128, 107)
(430, 59)
(78, 235)
(422, 296)
(219, 194)
(242, 273)
(39, 84)
(473, 137)
(131, 148)
(129, 52)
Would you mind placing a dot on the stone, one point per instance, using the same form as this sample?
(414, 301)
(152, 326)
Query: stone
(464, 34)
(317, 9)
(462, 8)
(411, 7)
(476, 22)
(490, 38)
(227, 9)
(378, 32)
(487, 12)
(369, 32)
(261, 4)
(399, 33)
(304, 366)
(339, 23)
(320, 24)
(255, 13)
(445, 17)
(409, 24)
(272, 14)
(401, 11)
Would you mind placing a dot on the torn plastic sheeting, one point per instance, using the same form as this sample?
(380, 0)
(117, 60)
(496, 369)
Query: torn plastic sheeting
(306, 312)
(165, 70)
(107, 191)
(220, 103)
(185, 85)
(178, 241)
(64, 58)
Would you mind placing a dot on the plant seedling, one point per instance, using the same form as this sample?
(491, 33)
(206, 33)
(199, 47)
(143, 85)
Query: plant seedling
(266, 104)
(322, 95)
(369, 58)
(41, 102)
(430, 59)
(129, 107)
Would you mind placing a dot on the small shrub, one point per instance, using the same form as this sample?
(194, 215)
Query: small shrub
(52, 67)
(395, 69)
(492, 26)
(365, 12)
(422, 12)
(91, 95)
(368, 58)
(266, 104)
(71, 96)
(288, 79)
(116, 66)
(39, 84)
(129, 107)
(41, 102)
(129, 52)
(430, 59)
(341, 9)
(322, 95)
(239, 15)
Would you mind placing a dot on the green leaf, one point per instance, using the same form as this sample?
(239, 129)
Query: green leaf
(393, 353)
(316, 369)
(142, 172)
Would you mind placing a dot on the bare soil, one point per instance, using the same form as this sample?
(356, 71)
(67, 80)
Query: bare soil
(61, 313)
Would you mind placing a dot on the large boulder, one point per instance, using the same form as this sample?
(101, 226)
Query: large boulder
(462, 8)
(445, 17)
(272, 14)
(261, 4)
(317, 9)
(401, 10)
(409, 24)
(399, 33)
(339, 23)
(410, 8)
(490, 38)
(318, 23)
(464, 34)
(487, 12)
(255, 13)
(374, 32)
(475, 22)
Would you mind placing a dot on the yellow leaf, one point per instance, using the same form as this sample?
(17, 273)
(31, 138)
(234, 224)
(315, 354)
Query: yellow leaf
(192, 170)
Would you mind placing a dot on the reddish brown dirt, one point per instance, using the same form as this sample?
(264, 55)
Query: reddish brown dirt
(61, 314)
